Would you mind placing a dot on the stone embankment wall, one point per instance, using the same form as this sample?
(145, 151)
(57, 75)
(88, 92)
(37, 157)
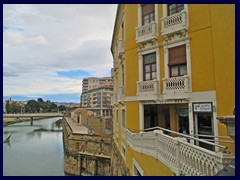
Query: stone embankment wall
(85, 117)
(86, 154)
(118, 165)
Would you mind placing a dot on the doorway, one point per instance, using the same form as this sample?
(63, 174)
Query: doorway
(203, 125)
(150, 116)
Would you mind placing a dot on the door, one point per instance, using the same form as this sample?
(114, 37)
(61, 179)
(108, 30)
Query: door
(204, 126)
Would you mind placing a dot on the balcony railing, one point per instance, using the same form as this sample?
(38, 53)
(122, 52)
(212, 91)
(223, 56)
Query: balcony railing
(148, 90)
(146, 32)
(176, 87)
(120, 49)
(115, 64)
(177, 154)
(174, 23)
(121, 94)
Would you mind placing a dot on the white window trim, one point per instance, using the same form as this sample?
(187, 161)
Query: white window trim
(164, 6)
(138, 167)
(123, 108)
(140, 16)
(188, 57)
(140, 63)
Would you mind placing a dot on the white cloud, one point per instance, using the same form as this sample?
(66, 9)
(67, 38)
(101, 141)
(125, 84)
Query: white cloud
(12, 37)
(40, 40)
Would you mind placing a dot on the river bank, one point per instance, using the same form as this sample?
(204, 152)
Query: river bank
(9, 121)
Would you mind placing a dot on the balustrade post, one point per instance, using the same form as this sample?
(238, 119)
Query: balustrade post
(155, 87)
(178, 154)
(137, 88)
(186, 85)
(141, 134)
(164, 85)
(183, 17)
(156, 146)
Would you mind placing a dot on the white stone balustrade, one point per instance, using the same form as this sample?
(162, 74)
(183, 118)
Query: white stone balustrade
(174, 23)
(115, 98)
(120, 49)
(176, 87)
(123, 132)
(121, 94)
(146, 32)
(148, 90)
(180, 156)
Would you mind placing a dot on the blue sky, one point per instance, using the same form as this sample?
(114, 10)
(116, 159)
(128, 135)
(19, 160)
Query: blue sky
(48, 49)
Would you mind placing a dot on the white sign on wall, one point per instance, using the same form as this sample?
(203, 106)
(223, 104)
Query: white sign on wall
(202, 107)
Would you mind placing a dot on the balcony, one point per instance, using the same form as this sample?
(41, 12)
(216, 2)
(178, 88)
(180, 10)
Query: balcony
(120, 50)
(114, 98)
(176, 87)
(148, 90)
(177, 154)
(146, 33)
(121, 94)
(115, 64)
(174, 23)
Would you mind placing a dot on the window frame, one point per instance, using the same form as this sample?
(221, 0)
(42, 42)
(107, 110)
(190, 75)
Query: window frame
(177, 9)
(179, 71)
(148, 15)
(150, 70)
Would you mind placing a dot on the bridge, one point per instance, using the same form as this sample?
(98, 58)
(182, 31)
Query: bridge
(32, 115)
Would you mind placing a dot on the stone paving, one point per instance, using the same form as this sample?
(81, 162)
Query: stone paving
(76, 127)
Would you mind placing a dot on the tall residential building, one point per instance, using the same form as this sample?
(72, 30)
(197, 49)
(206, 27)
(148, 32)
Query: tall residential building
(93, 82)
(98, 100)
(173, 75)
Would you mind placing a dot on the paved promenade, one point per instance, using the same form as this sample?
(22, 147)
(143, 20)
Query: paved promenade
(76, 127)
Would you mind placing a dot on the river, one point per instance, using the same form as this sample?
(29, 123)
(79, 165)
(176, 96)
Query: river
(34, 150)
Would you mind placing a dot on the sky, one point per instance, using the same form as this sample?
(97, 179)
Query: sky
(48, 49)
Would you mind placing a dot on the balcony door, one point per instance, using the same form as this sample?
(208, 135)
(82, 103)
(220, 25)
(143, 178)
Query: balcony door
(148, 14)
(149, 67)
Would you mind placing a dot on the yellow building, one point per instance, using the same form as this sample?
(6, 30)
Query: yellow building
(174, 72)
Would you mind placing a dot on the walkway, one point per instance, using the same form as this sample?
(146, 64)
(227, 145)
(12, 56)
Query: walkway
(76, 127)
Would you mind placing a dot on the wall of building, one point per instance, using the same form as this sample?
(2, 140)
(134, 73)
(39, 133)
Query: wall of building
(212, 56)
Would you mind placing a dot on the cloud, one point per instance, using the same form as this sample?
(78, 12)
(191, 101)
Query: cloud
(50, 48)
(12, 37)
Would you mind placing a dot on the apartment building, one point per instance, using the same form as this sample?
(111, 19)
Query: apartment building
(93, 82)
(173, 75)
(98, 100)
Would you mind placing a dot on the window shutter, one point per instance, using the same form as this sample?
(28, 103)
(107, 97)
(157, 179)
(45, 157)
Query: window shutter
(177, 55)
(147, 9)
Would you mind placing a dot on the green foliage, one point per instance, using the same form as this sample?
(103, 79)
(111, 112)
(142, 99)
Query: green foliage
(33, 106)
(13, 107)
(62, 108)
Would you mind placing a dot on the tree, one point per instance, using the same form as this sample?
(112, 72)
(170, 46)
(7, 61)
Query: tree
(32, 106)
(62, 108)
(40, 100)
(7, 107)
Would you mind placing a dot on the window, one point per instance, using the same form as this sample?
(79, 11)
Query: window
(123, 74)
(123, 118)
(137, 170)
(149, 67)
(177, 61)
(175, 8)
(148, 13)
(122, 31)
(124, 151)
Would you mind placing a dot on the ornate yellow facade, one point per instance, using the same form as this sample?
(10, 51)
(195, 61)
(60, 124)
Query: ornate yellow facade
(173, 68)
